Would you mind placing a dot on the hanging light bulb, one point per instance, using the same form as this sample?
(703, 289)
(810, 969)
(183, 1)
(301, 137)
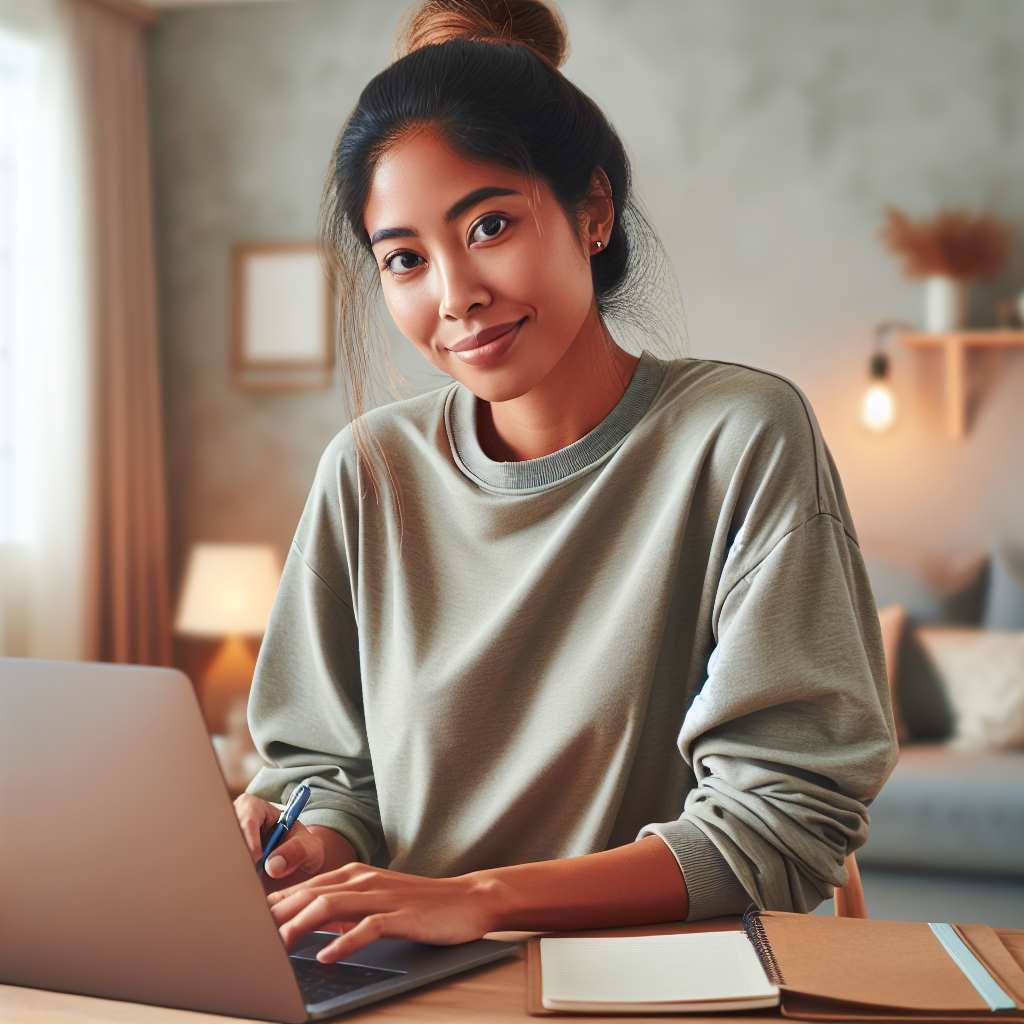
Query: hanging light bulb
(878, 406)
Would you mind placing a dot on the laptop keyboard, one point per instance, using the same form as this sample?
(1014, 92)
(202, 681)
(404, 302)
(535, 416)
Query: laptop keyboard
(319, 982)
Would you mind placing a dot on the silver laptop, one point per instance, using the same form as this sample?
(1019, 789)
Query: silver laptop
(123, 872)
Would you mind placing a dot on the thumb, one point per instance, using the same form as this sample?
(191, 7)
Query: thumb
(301, 849)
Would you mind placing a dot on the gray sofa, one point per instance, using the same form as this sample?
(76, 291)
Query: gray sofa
(942, 810)
(950, 811)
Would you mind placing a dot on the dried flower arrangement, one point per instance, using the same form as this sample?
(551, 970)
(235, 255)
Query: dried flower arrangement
(952, 243)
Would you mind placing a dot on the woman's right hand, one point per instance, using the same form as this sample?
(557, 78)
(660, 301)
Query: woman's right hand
(303, 853)
(300, 849)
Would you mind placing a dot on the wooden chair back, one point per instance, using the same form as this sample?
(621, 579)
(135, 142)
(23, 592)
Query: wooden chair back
(850, 898)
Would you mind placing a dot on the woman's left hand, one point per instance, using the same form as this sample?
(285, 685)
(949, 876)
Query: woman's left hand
(373, 903)
(639, 883)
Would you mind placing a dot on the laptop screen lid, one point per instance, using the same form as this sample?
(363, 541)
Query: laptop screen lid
(127, 876)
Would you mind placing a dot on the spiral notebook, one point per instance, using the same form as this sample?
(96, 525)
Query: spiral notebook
(824, 969)
(850, 969)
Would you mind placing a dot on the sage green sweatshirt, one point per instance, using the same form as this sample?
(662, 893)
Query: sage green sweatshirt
(664, 629)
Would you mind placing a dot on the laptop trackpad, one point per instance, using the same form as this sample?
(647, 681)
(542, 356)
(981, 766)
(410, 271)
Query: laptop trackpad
(389, 966)
(319, 982)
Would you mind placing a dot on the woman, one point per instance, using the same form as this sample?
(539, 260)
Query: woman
(583, 639)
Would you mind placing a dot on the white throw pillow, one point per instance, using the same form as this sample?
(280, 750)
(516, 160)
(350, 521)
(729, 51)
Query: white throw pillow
(982, 671)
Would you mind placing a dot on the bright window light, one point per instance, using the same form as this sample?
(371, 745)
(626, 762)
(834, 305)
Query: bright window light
(19, 266)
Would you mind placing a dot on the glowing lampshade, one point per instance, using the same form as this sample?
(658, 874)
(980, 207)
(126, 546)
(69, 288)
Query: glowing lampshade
(229, 590)
(878, 406)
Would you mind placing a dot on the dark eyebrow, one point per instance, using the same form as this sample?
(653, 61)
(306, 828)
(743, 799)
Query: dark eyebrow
(385, 233)
(487, 192)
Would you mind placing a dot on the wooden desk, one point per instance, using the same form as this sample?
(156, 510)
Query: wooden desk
(496, 992)
(493, 994)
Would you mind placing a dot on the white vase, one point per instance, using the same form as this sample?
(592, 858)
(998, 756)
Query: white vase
(945, 304)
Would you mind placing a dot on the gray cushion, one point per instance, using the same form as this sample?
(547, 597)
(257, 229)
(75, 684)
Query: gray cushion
(934, 590)
(1004, 602)
(948, 810)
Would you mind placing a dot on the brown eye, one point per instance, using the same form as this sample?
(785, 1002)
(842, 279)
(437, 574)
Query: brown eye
(488, 227)
(402, 263)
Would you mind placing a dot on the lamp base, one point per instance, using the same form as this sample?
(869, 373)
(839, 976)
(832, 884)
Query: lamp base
(226, 679)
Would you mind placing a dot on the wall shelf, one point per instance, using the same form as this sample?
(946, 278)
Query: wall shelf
(956, 346)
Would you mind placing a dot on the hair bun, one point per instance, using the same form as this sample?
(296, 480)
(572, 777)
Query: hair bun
(537, 25)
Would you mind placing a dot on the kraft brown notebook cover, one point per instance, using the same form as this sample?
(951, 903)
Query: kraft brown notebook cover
(849, 969)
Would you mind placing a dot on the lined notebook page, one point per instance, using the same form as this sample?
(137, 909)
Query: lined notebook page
(697, 967)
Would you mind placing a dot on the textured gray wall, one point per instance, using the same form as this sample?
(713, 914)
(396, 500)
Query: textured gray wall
(767, 137)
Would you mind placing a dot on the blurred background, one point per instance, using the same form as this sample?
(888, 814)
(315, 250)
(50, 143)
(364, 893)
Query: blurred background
(767, 139)
(152, 154)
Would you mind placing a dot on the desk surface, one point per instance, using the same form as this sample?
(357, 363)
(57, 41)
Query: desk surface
(495, 993)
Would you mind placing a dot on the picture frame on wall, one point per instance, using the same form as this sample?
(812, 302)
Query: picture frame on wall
(282, 318)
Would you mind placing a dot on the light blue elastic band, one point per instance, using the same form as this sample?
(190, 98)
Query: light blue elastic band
(974, 970)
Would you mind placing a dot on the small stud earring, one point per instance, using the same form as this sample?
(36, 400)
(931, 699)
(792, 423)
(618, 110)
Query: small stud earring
(599, 244)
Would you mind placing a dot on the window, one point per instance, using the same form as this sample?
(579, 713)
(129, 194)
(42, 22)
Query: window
(43, 338)
(18, 90)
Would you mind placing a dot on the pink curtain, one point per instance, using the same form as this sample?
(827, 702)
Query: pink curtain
(128, 602)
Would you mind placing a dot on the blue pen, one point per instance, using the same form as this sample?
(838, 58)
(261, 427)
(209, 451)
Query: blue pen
(284, 824)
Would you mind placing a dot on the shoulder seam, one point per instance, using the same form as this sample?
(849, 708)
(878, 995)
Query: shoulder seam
(327, 586)
(789, 533)
(807, 416)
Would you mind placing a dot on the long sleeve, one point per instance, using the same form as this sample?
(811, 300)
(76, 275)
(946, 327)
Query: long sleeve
(306, 707)
(792, 735)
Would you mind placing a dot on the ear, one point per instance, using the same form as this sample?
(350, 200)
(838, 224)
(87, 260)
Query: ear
(598, 213)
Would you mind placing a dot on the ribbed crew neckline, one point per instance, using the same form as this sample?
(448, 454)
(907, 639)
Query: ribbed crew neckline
(460, 416)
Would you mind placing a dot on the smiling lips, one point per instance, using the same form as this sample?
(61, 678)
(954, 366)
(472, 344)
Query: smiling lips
(489, 345)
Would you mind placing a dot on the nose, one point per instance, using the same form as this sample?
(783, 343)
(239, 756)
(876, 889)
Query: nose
(462, 291)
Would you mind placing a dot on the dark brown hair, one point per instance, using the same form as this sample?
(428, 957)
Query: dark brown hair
(537, 26)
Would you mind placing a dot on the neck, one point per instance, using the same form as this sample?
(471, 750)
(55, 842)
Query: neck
(579, 392)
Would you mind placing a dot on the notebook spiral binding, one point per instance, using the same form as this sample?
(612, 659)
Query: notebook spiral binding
(759, 940)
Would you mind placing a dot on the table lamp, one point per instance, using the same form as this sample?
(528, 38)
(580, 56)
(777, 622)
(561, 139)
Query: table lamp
(227, 593)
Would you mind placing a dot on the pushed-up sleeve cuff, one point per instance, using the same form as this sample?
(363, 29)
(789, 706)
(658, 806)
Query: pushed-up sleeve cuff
(342, 800)
(714, 889)
(345, 825)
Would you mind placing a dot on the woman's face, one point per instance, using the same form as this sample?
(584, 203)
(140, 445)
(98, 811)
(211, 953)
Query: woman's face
(481, 268)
